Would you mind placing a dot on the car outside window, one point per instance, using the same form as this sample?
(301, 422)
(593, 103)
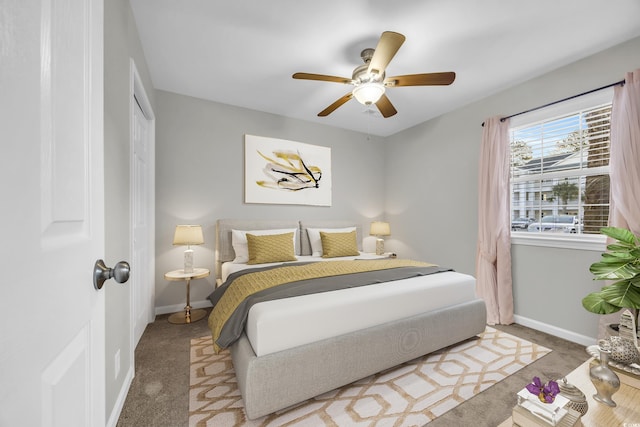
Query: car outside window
(556, 224)
(521, 223)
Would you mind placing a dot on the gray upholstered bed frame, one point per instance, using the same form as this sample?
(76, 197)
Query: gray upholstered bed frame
(275, 381)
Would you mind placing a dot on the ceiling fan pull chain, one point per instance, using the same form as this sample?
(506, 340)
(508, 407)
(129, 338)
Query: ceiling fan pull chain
(368, 112)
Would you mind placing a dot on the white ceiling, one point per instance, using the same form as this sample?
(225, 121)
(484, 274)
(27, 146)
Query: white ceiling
(244, 52)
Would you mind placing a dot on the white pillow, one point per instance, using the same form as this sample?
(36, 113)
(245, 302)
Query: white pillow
(316, 242)
(241, 247)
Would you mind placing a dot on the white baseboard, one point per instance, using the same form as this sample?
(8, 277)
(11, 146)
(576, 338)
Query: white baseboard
(554, 330)
(122, 396)
(166, 309)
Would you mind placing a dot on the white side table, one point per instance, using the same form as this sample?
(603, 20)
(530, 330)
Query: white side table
(188, 316)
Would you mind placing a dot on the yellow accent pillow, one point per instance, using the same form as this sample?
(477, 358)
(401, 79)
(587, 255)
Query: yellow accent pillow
(270, 248)
(339, 244)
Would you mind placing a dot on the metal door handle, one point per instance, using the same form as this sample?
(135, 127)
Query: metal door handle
(102, 273)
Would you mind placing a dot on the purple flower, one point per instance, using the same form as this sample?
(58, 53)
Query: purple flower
(550, 391)
(535, 387)
(545, 392)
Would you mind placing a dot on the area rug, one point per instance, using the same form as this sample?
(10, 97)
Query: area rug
(411, 394)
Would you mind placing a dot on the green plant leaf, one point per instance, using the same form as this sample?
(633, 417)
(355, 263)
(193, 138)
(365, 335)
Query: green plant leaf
(620, 247)
(612, 269)
(622, 294)
(620, 263)
(618, 256)
(620, 234)
(596, 304)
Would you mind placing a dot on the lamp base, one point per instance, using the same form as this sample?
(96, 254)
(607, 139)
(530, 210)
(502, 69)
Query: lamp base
(379, 246)
(188, 261)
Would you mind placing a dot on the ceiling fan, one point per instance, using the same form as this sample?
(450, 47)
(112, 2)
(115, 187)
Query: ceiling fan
(370, 81)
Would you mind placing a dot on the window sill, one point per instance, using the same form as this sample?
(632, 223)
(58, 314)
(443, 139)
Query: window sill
(585, 242)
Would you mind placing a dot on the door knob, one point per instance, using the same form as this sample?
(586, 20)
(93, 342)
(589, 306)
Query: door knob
(102, 273)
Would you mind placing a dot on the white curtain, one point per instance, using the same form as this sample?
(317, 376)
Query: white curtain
(624, 164)
(493, 257)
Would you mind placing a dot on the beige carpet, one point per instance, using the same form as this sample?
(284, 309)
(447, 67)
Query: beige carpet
(411, 394)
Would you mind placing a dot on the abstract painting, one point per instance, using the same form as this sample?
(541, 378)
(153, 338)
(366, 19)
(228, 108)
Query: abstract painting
(278, 171)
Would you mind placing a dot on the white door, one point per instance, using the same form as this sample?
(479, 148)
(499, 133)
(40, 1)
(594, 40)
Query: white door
(51, 166)
(142, 203)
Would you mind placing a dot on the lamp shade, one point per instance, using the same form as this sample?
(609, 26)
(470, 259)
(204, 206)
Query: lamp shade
(187, 235)
(379, 228)
(368, 93)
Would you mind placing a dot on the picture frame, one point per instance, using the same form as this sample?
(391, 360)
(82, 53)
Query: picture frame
(279, 171)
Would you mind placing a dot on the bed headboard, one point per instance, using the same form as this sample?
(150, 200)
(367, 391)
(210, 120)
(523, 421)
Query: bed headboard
(224, 249)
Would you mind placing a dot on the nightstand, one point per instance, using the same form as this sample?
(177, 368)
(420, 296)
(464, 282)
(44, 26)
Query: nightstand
(188, 316)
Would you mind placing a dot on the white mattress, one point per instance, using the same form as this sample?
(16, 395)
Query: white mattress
(286, 323)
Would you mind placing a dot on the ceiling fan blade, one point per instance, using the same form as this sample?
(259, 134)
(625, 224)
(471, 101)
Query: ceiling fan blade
(427, 79)
(322, 77)
(385, 106)
(388, 45)
(331, 108)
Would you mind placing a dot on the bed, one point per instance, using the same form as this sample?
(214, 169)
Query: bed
(287, 350)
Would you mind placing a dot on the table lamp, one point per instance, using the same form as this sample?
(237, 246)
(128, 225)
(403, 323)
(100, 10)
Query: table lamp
(187, 235)
(378, 229)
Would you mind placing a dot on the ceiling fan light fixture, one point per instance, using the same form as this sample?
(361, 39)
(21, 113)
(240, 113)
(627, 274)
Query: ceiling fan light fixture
(370, 81)
(368, 93)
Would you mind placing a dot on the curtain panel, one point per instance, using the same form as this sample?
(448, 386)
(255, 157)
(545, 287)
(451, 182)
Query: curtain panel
(624, 163)
(493, 256)
(624, 167)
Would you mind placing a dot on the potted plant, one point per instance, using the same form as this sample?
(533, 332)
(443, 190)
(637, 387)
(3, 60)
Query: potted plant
(621, 264)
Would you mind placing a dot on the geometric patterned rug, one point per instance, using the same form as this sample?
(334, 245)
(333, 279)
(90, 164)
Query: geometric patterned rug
(411, 394)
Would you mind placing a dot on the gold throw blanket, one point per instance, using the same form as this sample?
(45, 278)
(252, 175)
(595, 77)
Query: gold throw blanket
(250, 283)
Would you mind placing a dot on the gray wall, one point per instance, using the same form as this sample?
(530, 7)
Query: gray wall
(200, 178)
(121, 42)
(436, 162)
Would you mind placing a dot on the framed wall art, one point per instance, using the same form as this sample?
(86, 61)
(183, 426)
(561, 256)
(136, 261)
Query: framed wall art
(279, 171)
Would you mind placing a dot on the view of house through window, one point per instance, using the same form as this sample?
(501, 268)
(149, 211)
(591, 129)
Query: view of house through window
(560, 173)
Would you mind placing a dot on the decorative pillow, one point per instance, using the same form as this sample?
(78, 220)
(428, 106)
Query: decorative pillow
(239, 241)
(339, 244)
(314, 237)
(270, 248)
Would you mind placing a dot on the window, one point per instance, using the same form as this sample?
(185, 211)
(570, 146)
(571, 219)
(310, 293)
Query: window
(560, 172)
